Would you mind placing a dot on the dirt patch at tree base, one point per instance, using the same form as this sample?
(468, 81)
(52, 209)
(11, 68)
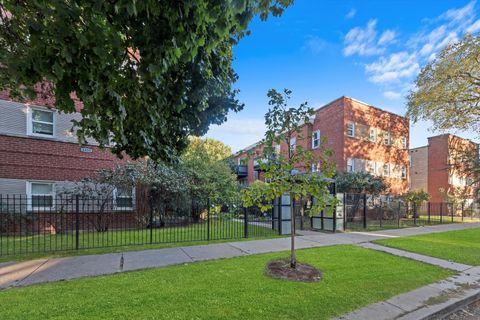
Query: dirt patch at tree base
(280, 269)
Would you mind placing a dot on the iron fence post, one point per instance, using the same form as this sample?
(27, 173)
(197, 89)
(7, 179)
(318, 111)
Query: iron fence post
(428, 211)
(208, 219)
(463, 207)
(245, 222)
(441, 212)
(451, 209)
(414, 213)
(365, 211)
(398, 214)
(77, 222)
(151, 218)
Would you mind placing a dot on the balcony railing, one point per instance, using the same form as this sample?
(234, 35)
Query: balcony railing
(241, 171)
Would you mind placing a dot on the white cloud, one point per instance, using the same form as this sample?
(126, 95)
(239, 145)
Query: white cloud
(474, 27)
(315, 44)
(392, 95)
(238, 133)
(240, 126)
(351, 14)
(387, 36)
(396, 69)
(392, 68)
(362, 41)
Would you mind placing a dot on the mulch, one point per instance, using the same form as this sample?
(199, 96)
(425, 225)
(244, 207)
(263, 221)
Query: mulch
(280, 269)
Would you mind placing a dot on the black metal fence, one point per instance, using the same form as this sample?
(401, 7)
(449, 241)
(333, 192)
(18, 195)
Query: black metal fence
(364, 211)
(46, 224)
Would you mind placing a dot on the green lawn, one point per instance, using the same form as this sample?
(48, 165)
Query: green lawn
(35, 246)
(460, 246)
(227, 289)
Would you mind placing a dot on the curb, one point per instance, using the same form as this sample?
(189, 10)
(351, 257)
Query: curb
(445, 308)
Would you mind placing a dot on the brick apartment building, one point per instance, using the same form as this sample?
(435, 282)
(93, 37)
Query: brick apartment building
(38, 151)
(363, 137)
(439, 166)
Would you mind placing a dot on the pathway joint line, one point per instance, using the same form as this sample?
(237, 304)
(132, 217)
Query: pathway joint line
(188, 256)
(33, 271)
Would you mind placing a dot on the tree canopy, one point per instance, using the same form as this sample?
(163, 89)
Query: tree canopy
(448, 88)
(148, 73)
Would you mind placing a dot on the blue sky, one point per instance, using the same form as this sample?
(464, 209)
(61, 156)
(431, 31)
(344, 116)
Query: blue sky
(321, 50)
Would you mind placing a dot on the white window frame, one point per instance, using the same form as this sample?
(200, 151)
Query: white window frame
(30, 122)
(386, 166)
(387, 138)
(350, 125)
(373, 165)
(115, 197)
(293, 144)
(403, 172)
(316, 133)
(30, 195)
(404, 143)
(278, 149)
(374, 131)
(351, 163)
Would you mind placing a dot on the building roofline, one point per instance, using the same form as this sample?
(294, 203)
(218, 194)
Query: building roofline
(246, 149)
(416, 148)
(453, 135)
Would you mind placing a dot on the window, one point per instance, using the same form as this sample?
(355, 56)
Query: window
(371, 167)
(278, 149)
(404, 172)
(350, 165)
(41, 123)
(293, 144)
(351, 129)
(316, 139)
(124, 198)
(315, 167)
(404, 143)
(386, 170)
(387, 138)
(373, 134)
(41, 195)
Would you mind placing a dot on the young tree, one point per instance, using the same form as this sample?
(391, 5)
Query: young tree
(289, 172)
(359, 183)
(415, 198)
(149, 73)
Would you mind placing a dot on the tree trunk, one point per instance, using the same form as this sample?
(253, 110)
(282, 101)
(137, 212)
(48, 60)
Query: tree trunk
(293, 258)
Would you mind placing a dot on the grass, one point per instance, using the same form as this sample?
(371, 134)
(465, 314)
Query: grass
(461, 246)
(227, 289)
(59, 245)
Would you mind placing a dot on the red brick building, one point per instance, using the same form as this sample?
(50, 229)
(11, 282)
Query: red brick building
(38, 151)
(439, 167)
(363, 137)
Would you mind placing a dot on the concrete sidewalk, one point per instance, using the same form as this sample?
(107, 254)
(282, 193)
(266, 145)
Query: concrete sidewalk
(26, 273)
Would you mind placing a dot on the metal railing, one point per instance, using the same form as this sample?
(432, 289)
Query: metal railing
(46, 224)
(364, 211)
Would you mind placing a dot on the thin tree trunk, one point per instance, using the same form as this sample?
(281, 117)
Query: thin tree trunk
(293, 258)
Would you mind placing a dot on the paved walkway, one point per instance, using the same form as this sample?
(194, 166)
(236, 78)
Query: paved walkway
(45, 270)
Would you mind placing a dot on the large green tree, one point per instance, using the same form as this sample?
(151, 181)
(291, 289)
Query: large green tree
(447, 90)
(209, 175)
(149, 73)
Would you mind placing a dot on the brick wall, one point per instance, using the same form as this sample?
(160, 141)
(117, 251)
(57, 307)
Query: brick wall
(331, 120)
(39, 159)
